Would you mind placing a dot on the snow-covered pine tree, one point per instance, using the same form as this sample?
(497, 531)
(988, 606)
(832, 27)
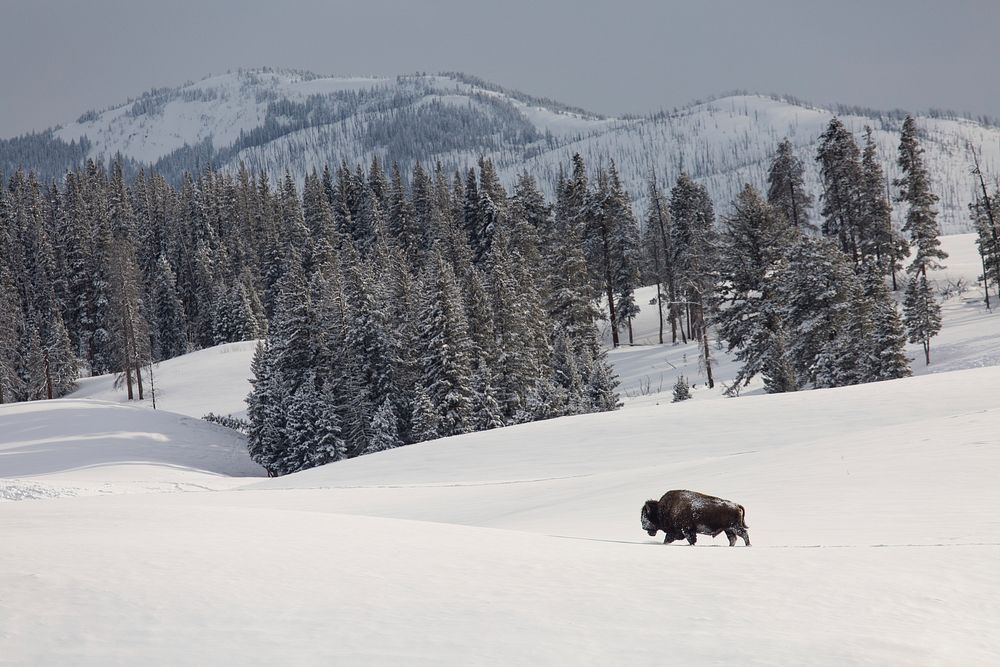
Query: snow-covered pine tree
(425, 418)
(169, 330)
(602, 385)
(313, 429)
(32, 370)
(445, 350)
(885, 348)
(373, 347)
(881, 241)
(986, 242)
(695, 248)
(266, 412)
(815, 289)
(786, 191)
(682, 390)
(401, 219)
(752, 246)
(921, 311)
(627, 258)
(61, 368)
(385, 428)
(130, 329)
(985, 212)
(486, 410)
(601, 231)
(840, 172)
(571, 295)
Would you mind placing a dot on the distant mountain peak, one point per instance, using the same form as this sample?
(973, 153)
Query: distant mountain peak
(277, 120)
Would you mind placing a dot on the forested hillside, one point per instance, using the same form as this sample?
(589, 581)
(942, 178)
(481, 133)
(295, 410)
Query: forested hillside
(278, 120)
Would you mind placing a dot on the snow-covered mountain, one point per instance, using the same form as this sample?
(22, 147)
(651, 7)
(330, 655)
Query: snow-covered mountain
(277, 120)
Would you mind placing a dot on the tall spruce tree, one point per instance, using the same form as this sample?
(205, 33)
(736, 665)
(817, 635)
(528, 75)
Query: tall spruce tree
(786, 191)
(754, 239)
(921, 311)
(840, 171)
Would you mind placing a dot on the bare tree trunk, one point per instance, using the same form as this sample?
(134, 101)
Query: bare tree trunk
(608, 287)
(674, 315)
(670, 279)
(986, 278)
(138, 374)
(128, 380)
(659, 307)
(48, 376)
(795, 208)
(659, 293)
(631, 341)
(708, 357)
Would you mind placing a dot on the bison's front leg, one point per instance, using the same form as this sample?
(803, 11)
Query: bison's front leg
(692, 536)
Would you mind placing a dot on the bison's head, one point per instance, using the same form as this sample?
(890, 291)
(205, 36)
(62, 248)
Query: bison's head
(649, 517)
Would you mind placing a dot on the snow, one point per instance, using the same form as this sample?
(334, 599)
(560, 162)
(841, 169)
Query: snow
(723, 143)
(970, 337)
(216, 379)
(872, 511)
(76, 447)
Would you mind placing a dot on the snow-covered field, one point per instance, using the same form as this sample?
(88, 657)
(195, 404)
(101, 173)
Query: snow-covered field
(872, 510)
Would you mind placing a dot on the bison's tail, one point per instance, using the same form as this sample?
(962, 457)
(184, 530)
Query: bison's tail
(742, 516)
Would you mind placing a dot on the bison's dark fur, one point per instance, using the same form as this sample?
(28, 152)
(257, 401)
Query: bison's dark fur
(686, 514)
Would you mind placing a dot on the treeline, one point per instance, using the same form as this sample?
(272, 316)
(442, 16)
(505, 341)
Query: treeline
(800, 304)
(393, 311)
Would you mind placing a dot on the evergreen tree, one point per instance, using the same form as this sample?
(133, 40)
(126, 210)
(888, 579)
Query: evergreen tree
(986, 243)
(885, 349)
(786, 191)
(313, 428)
(921, 311)
(815, 289)
(695, 247)
(169, 331)
(682, 391)
(445, 351)
(425, 418)
(881, 241)
(266, 412)
(571, 296)
(385, 429)
(840, 170)
(752, 246)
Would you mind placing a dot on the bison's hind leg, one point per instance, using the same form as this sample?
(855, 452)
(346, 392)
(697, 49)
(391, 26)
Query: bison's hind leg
(742, 532)
(731, 534)
(692, 536)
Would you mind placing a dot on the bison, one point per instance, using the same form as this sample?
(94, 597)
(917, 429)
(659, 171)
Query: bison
(685, 514)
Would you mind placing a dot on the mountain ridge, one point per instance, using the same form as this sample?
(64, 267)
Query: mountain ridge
(277, 120)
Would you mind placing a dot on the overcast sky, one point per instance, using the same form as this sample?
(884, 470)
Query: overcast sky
(59, 58)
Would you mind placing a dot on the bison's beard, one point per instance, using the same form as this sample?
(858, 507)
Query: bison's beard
(648, 525)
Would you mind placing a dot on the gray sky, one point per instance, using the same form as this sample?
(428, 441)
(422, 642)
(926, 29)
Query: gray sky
(62, 57)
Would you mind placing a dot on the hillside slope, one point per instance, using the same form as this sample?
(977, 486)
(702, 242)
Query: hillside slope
(278, 120)
(871, 510)
(72, 447)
